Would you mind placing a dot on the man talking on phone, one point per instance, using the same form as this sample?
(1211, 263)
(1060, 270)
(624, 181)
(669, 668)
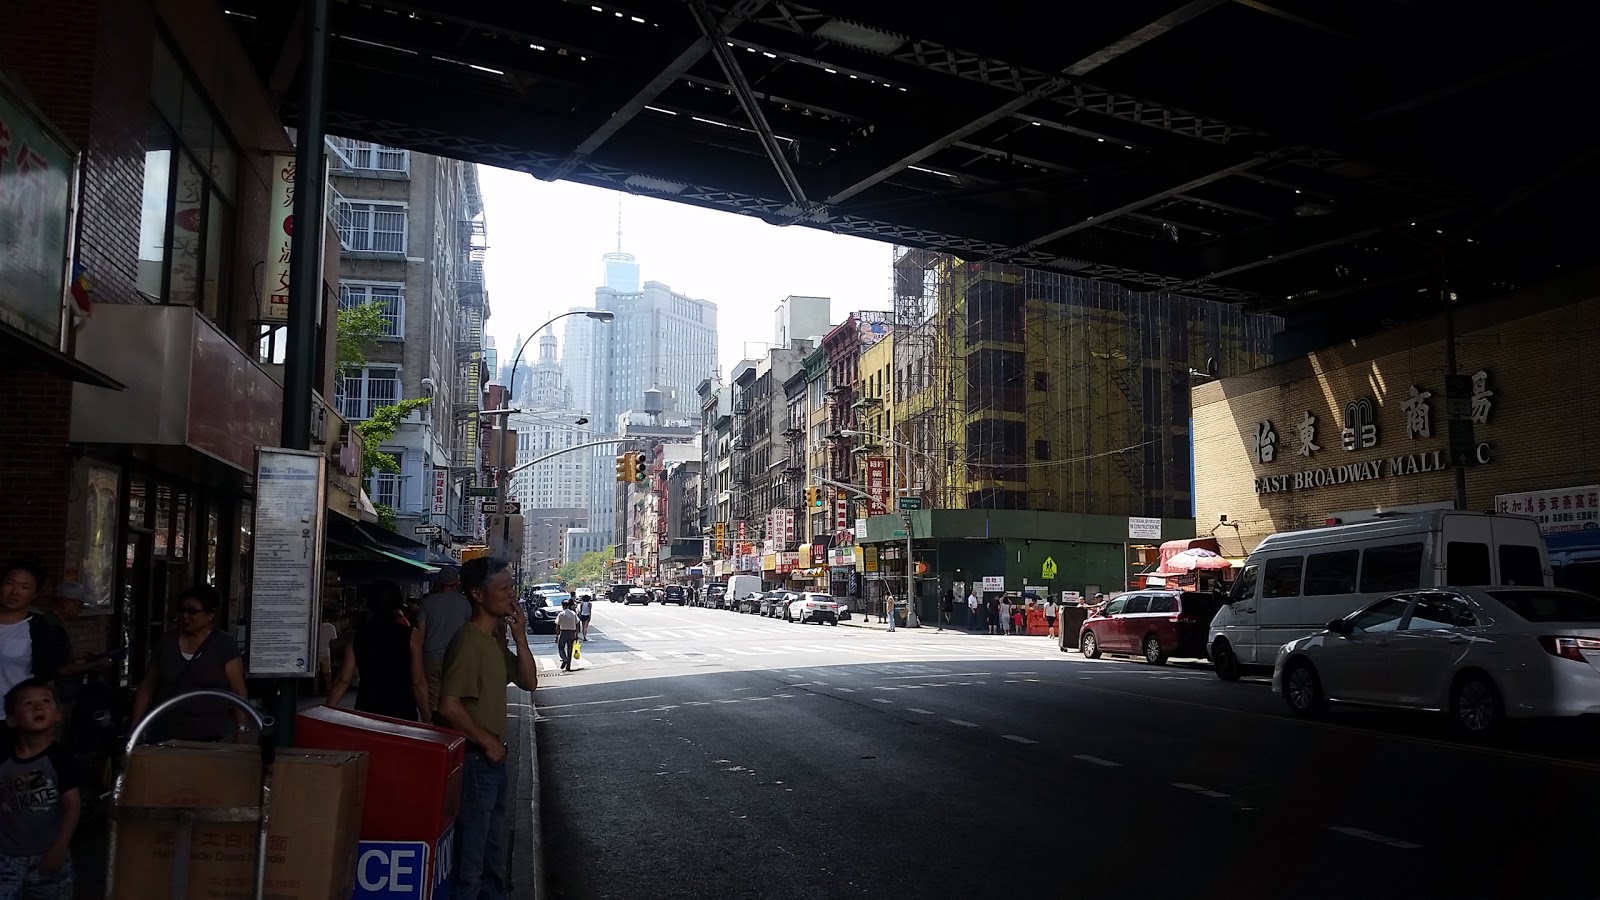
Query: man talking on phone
(472, 700)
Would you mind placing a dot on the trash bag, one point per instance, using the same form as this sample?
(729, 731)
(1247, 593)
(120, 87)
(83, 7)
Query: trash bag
(577, 649)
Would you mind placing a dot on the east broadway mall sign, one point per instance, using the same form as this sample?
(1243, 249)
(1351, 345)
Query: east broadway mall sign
(1367, 470)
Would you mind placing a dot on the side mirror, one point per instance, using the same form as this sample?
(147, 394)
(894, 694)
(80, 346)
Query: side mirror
(1339, 626)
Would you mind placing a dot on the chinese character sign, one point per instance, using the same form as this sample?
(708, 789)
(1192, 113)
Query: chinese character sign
(441, 491)
(1308, 435)
(1264, 442)
(1562, 509)
(279, 242)
(1482, 397)
(35, 200)
(1419, 415)
(877, 485)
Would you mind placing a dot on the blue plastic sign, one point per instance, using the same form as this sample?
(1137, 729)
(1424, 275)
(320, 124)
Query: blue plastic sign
(392, 870)
(444, 864)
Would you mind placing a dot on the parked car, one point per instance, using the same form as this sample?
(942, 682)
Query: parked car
(1481, 655)
(817, 608)
(1295, 582)
(675, 593)
(742, 586)
(542, 610)
(1157, 625)
(751, 603)
(619, 592)
(637, 595)
(715, 596)
(790, 598)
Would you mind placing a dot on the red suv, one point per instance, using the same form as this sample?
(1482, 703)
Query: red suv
(1155, 624)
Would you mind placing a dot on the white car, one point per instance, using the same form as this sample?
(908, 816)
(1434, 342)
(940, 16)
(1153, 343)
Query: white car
(817, 608)
(1479, 654)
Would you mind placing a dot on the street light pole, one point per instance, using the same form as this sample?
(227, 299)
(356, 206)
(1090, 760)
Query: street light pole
(503, 471)
(912, 620)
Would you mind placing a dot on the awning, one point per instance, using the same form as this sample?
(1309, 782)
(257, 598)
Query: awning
(21, 351)
(348, 552)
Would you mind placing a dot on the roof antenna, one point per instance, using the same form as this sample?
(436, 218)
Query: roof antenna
(619, 223)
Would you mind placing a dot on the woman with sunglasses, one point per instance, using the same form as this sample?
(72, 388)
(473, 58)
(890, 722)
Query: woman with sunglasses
(195, 656)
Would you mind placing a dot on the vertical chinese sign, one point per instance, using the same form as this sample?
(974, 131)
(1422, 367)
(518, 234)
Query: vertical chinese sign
(877, 485)
(35, 205)
(441, 491)
(280, 240)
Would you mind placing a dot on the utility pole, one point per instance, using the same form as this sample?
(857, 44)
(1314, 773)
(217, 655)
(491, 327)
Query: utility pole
(305, 285)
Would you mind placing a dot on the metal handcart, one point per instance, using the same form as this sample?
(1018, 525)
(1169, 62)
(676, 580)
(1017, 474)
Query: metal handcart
(186, 817)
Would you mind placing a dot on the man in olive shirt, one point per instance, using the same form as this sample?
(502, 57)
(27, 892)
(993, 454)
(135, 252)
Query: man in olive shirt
(472, 700)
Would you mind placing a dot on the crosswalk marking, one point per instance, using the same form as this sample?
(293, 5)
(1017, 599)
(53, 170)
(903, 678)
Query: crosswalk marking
(737, 652)
(643, 655)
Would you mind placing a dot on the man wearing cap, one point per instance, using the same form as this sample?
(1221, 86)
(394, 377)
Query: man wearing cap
(443, 613)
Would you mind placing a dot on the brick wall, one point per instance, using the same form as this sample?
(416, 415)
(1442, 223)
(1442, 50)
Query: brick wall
(1538, 348)
(34, 468)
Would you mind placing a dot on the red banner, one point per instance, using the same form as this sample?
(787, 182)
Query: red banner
(841, 511)
(877, 485)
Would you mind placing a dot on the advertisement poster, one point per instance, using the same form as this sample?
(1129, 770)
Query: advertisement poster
(1561, 509)
(286, 579)
(877, 485)
(441, 491)
(279, 242)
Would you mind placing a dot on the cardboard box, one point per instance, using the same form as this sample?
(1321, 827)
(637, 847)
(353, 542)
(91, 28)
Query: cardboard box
(314, 824)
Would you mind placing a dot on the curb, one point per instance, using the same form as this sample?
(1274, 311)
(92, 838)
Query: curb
(526, 869)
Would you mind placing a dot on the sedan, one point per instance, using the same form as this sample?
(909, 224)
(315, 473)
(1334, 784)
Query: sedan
(817, 608)
(1481, 655)
(751, 603)
(772, 603)
(637, 595)
(542, 610)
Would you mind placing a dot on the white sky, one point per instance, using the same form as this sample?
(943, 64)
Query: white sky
(546, 240)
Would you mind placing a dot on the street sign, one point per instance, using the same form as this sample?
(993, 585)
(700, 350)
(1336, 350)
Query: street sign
(899, 533)
(483, 492)
(512, 508)
(427, 529)
(910, 502)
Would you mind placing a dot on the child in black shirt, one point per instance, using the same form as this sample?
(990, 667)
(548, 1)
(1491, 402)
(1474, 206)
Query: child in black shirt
(39, 801)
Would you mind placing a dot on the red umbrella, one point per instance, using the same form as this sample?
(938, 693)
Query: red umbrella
(1194, 560)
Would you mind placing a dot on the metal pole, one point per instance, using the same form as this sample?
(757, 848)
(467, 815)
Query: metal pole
(1450, 371)
(912, 620)
(305, 282)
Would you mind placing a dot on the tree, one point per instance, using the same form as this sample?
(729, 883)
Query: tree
(356, 329)
(374, 432)
(588, 569)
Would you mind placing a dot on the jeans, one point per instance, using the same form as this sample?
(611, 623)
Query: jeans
(20, 880)
(481, 831)
(564, 647)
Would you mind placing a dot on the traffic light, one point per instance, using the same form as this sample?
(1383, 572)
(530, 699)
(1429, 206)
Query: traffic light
(639, 470)
(814, 498)
(624, 467)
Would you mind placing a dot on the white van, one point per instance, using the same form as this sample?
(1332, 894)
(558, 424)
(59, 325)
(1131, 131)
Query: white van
(740, 587)
(1296, 582)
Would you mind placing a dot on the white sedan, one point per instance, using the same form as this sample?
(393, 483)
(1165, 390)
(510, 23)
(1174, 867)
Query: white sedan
(1479, 654)
(817, 608)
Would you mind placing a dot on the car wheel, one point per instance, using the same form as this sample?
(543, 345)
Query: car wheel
(1090, 645)
(1302, 689)
(1475, 705)
(1227, 665)
(1153, 654)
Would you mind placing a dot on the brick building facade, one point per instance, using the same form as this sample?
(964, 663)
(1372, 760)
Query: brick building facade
(1362, 426)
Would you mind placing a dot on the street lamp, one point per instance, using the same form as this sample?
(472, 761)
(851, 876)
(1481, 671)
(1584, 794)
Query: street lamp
(912, 620)
(503, 475)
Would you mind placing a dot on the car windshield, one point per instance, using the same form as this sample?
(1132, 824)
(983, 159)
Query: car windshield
(819, 598)
(1551, 606)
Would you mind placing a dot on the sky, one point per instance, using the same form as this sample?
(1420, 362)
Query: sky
(546, 239)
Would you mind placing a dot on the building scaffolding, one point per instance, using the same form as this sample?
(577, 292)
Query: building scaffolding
(1027, 389)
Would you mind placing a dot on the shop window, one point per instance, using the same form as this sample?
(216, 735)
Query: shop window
(388, 296)
(1396, 567)
(186, 219)
(367, 226)
(369, 390)
(1468, 563)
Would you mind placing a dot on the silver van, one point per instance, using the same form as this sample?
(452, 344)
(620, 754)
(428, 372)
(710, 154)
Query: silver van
(1296, 582)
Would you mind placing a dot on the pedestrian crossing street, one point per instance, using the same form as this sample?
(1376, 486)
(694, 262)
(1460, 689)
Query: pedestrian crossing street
(869, 650)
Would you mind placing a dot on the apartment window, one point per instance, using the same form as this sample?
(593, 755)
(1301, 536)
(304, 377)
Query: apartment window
(387, 295)
(369, 390)
(367, 226)
(186, 223)
(386, 485)
(367, 156)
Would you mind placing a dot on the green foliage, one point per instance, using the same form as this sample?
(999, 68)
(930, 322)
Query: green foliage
(356, 329)
(591, 568)
(374, 432)
(385, 516)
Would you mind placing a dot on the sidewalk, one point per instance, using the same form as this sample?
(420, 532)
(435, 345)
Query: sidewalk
(871, 623)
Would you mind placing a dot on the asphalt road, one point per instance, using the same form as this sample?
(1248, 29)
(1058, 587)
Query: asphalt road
(706, 754)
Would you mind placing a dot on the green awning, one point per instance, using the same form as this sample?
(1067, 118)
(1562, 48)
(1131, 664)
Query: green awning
(354, 553)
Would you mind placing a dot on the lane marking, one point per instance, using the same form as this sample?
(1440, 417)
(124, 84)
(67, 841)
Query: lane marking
(845, 690)
(1018, 738)
(881, 700)
(1375, 837)
(1347, 729)
(595, 702)
(730, 700)
(1202, 791)
(738, 652)
(920, 712)
(1098, 761)
(962, 722)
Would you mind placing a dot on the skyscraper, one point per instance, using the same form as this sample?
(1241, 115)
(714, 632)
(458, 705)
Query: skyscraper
(659, 339)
